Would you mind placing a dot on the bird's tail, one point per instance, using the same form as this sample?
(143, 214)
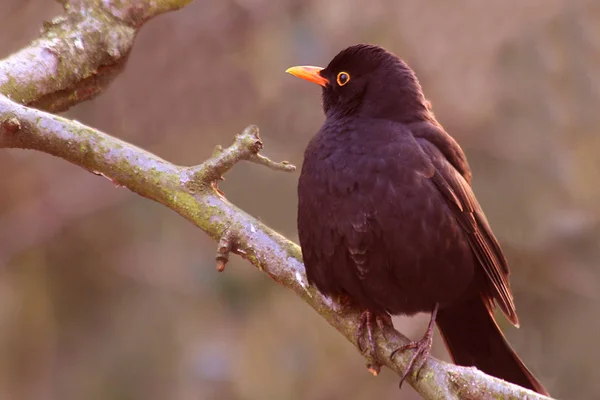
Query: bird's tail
(474, 339)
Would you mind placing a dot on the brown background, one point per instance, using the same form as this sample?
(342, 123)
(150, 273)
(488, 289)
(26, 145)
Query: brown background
(106, 295)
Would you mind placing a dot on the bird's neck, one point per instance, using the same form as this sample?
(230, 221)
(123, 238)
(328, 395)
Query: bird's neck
(399, 100)
(405, 109)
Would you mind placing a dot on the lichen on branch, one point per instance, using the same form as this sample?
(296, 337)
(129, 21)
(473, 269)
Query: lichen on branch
(79, 53)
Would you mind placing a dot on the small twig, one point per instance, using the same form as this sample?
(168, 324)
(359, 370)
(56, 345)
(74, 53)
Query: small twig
(114, 182)
(246, 146)
(225, 247)
(374, 368)
(267, 162)
(11, 124)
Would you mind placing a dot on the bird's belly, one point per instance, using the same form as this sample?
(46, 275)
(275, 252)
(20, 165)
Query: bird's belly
(401, 253)
(432, 263)
(377, 229)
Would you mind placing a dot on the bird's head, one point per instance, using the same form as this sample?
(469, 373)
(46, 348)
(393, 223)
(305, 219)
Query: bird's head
(369, 81)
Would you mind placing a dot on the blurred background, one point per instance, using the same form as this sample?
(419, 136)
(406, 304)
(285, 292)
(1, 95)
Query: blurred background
(106, 295)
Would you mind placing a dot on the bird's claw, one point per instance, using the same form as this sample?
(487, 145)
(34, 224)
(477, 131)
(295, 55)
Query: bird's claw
(422, 350)
(366, 324)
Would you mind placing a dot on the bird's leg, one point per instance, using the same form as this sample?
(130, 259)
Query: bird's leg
(422, 348)
(366, 324)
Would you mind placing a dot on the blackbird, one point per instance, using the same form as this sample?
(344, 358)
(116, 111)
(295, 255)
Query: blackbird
(387, 216)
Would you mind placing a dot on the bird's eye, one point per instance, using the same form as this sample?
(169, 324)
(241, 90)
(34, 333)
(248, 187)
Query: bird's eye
(343, 78)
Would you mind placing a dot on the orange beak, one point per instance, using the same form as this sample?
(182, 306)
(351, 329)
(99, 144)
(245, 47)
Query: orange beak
(308, 73)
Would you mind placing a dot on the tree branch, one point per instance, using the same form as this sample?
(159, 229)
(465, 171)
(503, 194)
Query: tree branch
(79, 53)
(192, 192)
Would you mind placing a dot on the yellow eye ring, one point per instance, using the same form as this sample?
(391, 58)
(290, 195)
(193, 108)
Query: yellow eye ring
(343, 78)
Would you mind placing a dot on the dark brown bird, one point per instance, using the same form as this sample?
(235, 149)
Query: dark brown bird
(387, 216)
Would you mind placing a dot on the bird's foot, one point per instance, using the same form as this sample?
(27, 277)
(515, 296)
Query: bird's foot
(366, 327)
(422, 349)
(346, 303)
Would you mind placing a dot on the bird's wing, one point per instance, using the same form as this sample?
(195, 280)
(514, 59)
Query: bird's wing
(461, 199)
(445, 143)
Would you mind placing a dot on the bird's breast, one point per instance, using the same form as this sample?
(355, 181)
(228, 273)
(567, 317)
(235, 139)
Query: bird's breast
(372, 225)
